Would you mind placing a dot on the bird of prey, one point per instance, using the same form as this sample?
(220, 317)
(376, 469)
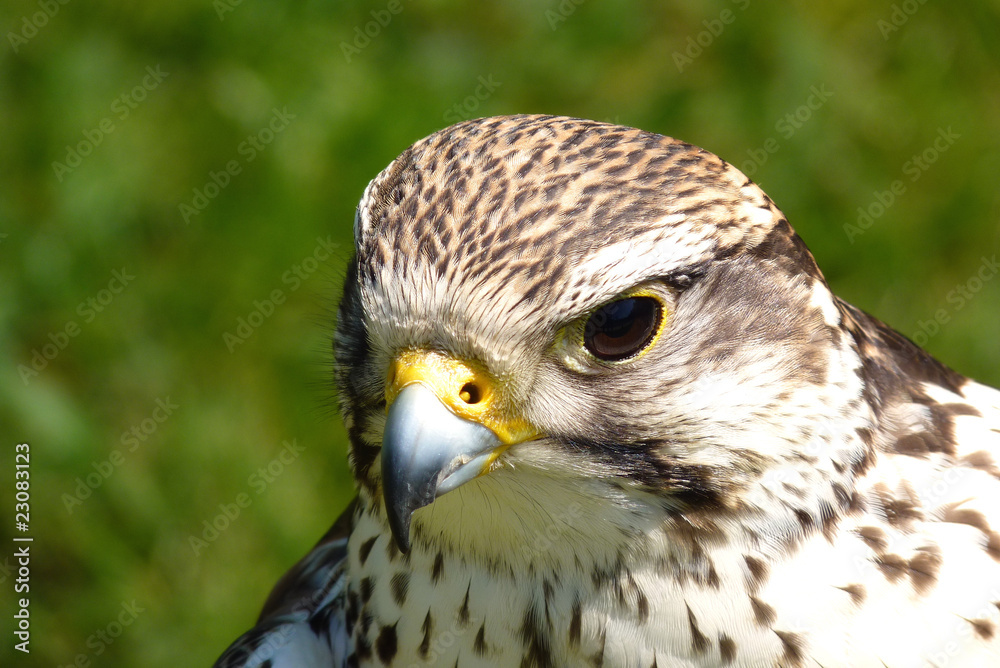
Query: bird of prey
(604, 410)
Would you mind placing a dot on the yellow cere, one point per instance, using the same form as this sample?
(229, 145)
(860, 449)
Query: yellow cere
(466, 388)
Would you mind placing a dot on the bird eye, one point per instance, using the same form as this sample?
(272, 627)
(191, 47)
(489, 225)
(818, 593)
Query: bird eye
(622, 328)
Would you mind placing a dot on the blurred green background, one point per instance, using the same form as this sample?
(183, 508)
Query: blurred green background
(212, 153)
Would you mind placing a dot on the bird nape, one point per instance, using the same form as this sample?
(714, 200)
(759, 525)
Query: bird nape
(604, 410)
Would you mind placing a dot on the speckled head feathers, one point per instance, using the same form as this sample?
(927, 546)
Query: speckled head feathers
(555, 189)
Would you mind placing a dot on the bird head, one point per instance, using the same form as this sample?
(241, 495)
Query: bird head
(558, 327)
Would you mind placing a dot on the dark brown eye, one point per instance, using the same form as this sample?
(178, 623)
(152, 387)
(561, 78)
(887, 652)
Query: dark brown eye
(622, 328)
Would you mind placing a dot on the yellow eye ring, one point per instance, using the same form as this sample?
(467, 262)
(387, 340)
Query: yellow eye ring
(625, 327)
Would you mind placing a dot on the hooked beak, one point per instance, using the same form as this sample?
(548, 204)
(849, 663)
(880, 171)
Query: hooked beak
(446, 426)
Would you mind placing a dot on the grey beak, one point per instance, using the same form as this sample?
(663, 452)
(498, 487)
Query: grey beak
(427, 451)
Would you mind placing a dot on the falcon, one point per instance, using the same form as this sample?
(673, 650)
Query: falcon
(604, 410)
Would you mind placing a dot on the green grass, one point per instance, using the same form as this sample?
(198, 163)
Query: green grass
(216, 83)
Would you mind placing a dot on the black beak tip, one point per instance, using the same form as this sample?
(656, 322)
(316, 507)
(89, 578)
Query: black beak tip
(399, 524)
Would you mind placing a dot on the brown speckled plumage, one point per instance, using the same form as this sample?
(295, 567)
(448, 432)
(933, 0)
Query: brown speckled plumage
(777, 479)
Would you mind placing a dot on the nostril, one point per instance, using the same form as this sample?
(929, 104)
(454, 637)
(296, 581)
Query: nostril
(470, 393)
